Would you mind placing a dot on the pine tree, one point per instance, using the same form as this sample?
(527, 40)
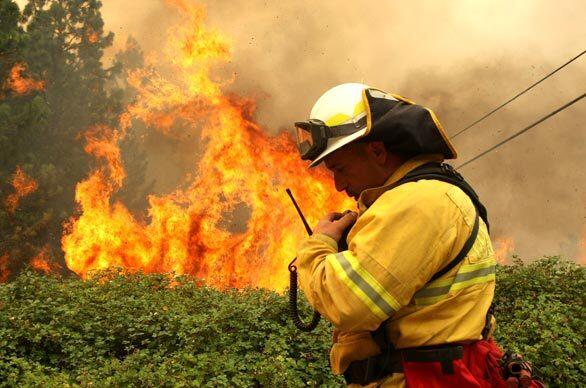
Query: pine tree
(61, 43)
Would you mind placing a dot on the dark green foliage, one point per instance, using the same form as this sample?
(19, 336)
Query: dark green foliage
(11, 36)
(137, 331)
(541, 314)
(23, 120)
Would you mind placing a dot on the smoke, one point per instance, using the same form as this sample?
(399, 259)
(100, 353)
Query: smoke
(460, 58)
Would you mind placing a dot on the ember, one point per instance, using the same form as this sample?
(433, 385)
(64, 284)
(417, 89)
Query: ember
(19, 84)
(42, 262)
(23, 186)
(93, 37)
(4, 271)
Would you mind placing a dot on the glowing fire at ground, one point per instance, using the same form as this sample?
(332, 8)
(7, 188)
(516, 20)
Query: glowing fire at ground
(42, 261)
(4, 271)
(188, 230)
(19, 84)
(23, 185)
(503, 249)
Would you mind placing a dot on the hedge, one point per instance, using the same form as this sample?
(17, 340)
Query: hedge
(151, 330)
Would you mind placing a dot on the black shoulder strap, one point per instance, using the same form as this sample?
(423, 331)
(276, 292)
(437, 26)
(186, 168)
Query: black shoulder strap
(463, 252)
(445, 173)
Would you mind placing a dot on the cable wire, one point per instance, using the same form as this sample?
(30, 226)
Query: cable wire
(575, 100)
(518, 95)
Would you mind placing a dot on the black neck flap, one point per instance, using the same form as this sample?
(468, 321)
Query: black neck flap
(406, 127)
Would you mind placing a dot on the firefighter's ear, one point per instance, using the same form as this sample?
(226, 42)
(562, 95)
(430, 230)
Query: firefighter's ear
(378, 152)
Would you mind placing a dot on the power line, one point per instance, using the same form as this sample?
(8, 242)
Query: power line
(575, 100)
(518, 95)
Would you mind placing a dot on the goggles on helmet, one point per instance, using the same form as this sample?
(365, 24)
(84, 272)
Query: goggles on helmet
(313, 135)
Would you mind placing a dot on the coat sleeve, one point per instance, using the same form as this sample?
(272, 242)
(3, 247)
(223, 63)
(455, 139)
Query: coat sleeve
(395, 247)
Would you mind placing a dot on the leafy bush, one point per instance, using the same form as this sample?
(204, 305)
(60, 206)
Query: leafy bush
(149, 330)
(142, 330)
(541, 314)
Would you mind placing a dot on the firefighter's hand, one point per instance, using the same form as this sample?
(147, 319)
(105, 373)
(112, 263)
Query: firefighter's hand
(334, 224)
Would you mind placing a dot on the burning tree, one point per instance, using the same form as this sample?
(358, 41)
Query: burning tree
(53, 86)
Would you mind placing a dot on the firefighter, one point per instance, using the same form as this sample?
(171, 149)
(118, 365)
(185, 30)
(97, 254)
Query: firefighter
(409, 290)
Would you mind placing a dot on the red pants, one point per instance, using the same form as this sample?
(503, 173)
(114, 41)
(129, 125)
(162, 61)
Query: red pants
(479, 367)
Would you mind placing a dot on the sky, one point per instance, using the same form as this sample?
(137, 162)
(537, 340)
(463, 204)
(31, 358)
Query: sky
(461, 58)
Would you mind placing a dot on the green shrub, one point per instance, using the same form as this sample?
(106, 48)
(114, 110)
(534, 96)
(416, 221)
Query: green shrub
(139, 330)
(541, 314)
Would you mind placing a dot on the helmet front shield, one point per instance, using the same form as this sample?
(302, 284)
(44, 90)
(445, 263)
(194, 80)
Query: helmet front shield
(312, 138)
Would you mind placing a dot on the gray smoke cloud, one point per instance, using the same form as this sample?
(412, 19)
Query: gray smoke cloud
(460, 58)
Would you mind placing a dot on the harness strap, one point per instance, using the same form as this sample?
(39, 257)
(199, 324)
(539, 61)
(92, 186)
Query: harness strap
(376, 367)
(373, 368)
(445, 355)
(445, 173)
(465, 249)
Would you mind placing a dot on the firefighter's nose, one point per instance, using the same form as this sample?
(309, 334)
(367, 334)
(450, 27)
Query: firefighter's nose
(340, 184)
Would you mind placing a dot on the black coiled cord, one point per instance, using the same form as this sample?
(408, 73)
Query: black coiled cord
(293, 308)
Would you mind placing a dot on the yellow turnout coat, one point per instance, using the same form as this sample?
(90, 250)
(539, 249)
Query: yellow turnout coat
(401, 239)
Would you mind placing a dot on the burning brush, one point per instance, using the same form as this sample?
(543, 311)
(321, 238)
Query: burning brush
(186, 232)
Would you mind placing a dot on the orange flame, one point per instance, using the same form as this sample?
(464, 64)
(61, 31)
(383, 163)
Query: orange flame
(93, 37)
(23, 185)
(243, 170)
(19, 84)
(42, 261)
(504, 248)
(4, 272)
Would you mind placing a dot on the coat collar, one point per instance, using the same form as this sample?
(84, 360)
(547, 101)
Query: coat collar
(368, 196)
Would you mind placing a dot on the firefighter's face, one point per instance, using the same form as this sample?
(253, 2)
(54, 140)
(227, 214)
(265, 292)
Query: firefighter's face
(359, 166)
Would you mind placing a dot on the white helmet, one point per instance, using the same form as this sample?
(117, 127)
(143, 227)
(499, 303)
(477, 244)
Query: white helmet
(353, 111)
